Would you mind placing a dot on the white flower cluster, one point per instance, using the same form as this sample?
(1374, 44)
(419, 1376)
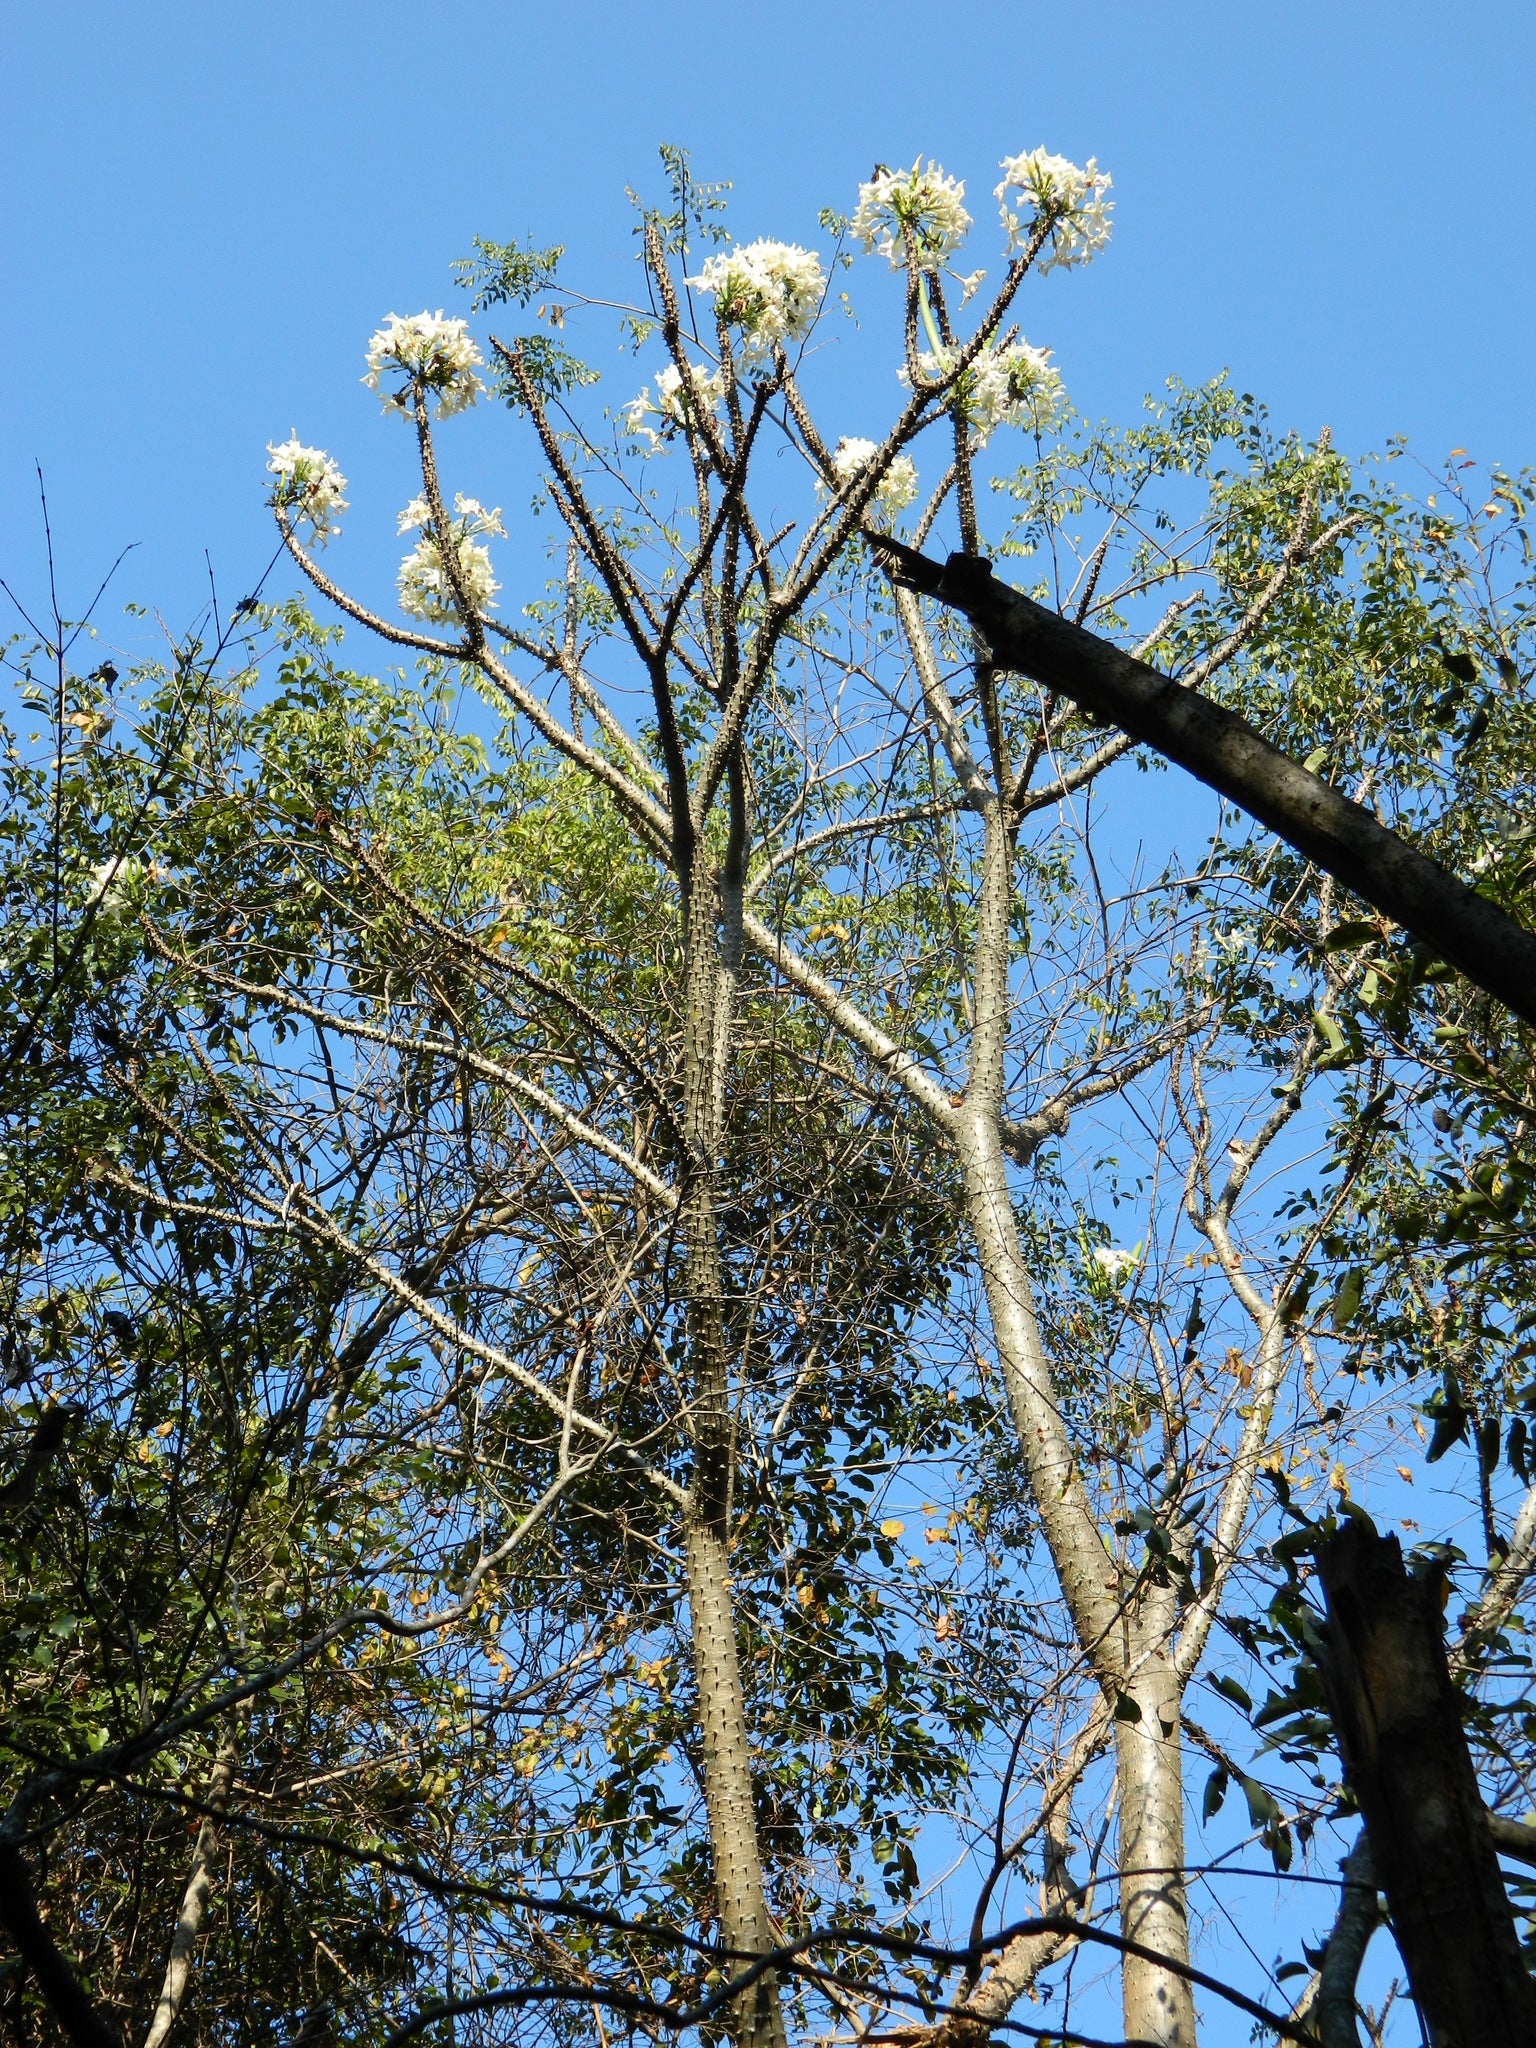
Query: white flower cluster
(1016, 386)
(1113, 1264)
(926, 203)
(897, 488)
(770, 291)
(441, 353)
(309, 484)
(1070, 196)
(115, 883)
(674, 401)
(425, 591)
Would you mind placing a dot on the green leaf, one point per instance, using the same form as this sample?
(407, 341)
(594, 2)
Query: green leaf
(1215, 1792)
(1346, 1303)
(1127, 1709)
(1231, 1690)
(549, 367)
(1328, 1030)
(1460, 665)
(1355, 931)
(1262, 1808)
(502, 273)
(1477, 725)
(1450, 1428)
(1489, 1437)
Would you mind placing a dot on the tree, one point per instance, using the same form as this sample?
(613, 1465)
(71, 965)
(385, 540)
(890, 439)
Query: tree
(567, 1196)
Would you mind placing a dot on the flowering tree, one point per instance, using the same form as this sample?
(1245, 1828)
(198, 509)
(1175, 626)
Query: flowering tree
(667, 1147)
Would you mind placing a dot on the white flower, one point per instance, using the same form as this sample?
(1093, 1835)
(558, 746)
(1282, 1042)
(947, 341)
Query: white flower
(309, 484)
(771, 291)
(438, 351)
(1072, 198)
(896, 489)
(925, 202)
(114, 883)
(674, 401)
(425, 591)
(1016, 386)
(1113, 1264)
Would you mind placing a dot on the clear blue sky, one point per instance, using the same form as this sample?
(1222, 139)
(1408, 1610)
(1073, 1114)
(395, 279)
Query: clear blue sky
(208, 209)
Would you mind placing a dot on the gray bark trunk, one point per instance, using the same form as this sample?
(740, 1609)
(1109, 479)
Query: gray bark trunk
(741, 1896)
(739, 1888)
(1158, 2004)
(194, 1903)
(1130, 1658)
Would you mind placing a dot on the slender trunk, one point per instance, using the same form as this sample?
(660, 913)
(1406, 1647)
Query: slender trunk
(741, 1896)
(1158, 2003)
(739, 1890)
(1331, 2007)
(194, 1903)
(1132, 1660)
(1066, 1515)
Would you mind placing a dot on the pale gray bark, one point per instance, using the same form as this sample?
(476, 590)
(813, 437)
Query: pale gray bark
(985, 2006)
(194, 1902)
(739, 1888)
(1502, 1589)
(1125, 1626)
(1129, 1653)
(1158, 2003)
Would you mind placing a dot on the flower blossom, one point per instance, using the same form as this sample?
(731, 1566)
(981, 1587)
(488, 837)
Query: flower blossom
(771, 291)
(1015, 386)
(425, 591)
(1113, 1263)
(309, 484)
(925, 203)
(440, 352)
(896, 489)
(115, 883)
(1071, 197)
(674, 401)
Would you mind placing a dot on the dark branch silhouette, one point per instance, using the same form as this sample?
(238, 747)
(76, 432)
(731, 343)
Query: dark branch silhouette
(1220, 748)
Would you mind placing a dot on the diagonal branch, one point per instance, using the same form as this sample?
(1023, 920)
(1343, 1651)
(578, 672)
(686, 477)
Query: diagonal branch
(1220, 748)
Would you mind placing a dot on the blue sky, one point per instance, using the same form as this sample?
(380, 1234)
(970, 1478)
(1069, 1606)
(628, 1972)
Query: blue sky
(210, 208)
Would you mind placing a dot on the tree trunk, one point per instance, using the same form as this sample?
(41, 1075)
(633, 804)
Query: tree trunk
(68, 2000)
(1331, 2007)
(741, 1896)
(739, 1888)
(1399, 1727)
(194, 1904)
(1158, 2003)
(1132, 1659)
